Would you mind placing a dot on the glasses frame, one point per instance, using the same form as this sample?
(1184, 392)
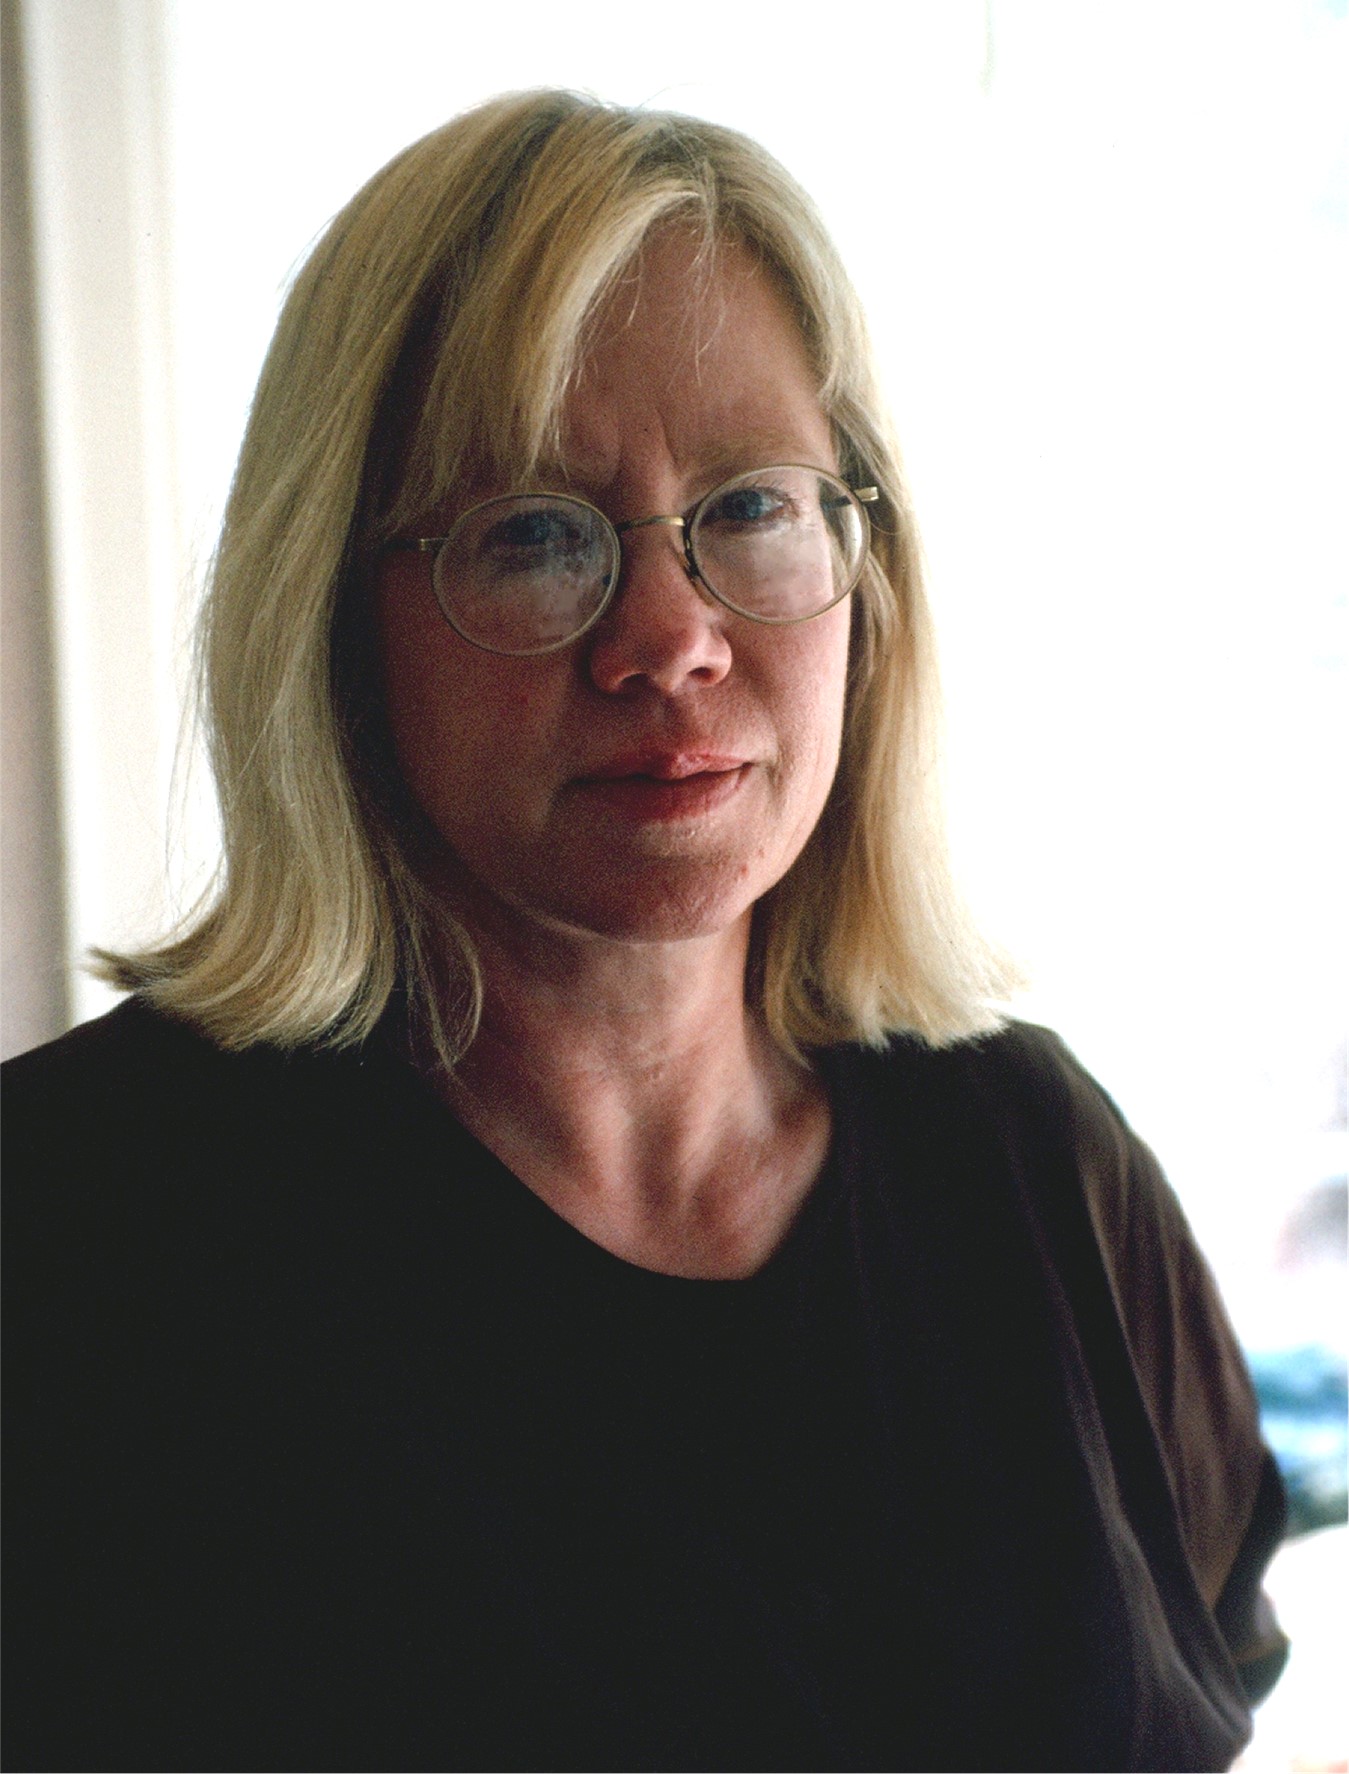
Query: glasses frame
(859, 497)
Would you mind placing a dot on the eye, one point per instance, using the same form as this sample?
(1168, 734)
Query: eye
(540, 530)
(744, 507)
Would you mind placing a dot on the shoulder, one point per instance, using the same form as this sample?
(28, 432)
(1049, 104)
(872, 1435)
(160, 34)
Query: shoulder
(132, 1047)
(136, 1132)
(1018, 1055)
(1028, 1073)
(1007, 1129)
(1056, 1112)
(139, 1075)
(1022, 1082)
(137, 1043)
(1121, 1248)
(133, 1080)
(173, 1209)
(1057, 1138)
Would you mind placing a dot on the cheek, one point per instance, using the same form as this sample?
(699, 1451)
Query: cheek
(468, 728)
(424, 695)
(425, 716)
(819, 678)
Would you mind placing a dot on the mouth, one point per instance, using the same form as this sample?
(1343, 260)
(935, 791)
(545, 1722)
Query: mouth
(665, 785)
(664, 766)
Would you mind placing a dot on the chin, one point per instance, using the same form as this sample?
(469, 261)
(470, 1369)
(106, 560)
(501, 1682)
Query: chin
(641, 908)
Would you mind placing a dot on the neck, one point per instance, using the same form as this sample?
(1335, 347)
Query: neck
(629, 1085)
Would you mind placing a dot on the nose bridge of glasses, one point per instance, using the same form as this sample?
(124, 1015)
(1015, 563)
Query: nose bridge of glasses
(661, 521)
(645, 523)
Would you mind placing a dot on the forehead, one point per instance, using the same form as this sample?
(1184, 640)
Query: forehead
(694, 354)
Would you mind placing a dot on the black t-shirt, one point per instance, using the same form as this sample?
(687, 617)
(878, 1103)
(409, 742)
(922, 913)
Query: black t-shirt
(330, 1446)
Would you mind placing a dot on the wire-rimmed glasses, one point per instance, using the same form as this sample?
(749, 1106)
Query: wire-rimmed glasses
(529, 573)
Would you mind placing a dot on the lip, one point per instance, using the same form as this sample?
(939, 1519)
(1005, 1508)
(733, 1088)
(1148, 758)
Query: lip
(664, 786)
(664, 766)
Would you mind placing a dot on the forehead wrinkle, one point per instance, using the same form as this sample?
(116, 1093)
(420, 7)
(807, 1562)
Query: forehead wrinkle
(646, 391)
(702, 447)
(701, 472)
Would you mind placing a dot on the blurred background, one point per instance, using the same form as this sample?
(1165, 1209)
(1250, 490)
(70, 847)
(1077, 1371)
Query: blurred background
(1106, 255)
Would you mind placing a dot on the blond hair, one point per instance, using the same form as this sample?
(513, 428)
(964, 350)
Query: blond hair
(433, 334)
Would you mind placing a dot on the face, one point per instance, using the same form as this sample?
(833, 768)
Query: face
(654, 779)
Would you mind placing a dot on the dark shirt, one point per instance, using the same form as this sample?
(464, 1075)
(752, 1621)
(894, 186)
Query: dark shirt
(330, 1446)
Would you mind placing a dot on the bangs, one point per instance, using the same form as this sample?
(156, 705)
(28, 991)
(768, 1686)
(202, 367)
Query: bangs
(504, 320)
(479, 393)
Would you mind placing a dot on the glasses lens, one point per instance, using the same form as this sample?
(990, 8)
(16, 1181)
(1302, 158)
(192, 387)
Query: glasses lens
(780, 544)
(526, 575)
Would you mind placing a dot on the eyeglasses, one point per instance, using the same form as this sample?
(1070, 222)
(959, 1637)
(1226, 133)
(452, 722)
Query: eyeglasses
(531, 572)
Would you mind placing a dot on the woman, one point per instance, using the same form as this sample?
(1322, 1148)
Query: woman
(559, 1265)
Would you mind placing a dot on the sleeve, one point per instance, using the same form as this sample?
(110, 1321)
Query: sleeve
(1193, 1377)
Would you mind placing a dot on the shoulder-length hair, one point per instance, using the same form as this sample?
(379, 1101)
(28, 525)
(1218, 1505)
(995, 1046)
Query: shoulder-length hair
(434, 333)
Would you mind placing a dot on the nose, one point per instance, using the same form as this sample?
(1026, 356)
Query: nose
(662, 630)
